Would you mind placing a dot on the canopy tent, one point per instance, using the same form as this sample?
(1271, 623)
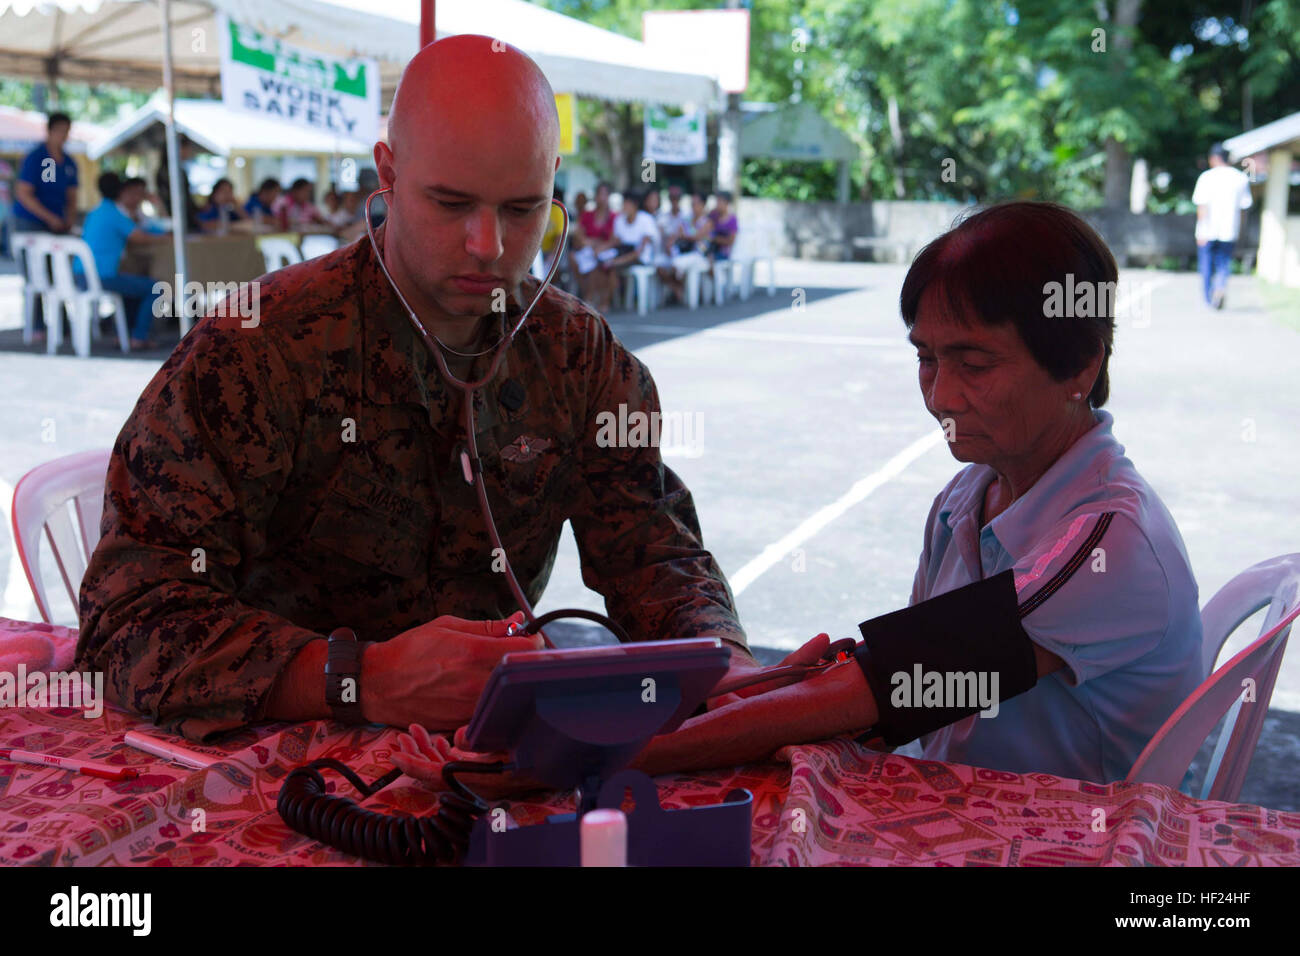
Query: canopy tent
(1273, 148)
(797, 131)
(222, 131)
(21, 130)
(117, 41)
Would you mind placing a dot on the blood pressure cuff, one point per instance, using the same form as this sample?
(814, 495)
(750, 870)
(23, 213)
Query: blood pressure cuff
(972, 632)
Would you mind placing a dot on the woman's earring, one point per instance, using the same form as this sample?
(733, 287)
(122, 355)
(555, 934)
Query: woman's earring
(1077, 395)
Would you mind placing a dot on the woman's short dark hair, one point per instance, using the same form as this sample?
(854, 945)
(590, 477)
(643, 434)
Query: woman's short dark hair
(634, 196)
(268, 184)
(1000, 265)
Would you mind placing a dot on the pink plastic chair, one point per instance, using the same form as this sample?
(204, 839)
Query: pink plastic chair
(41, 503)
(1274, 584)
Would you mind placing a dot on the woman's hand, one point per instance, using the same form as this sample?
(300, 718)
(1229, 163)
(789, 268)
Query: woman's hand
(833, 702)
(810, 653)
(422, 756)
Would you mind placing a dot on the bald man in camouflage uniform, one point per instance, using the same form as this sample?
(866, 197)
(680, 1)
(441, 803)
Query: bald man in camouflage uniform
(280, 480)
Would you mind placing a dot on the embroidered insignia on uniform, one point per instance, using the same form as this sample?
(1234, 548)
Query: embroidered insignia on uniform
(524, 448)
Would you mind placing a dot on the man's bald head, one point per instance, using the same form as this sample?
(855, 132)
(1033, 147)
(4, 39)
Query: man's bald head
(468, 84)
(474, 142)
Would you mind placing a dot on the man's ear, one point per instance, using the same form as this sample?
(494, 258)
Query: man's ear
(384, 164)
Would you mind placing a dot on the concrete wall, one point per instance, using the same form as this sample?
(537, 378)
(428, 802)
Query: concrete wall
(826, 230)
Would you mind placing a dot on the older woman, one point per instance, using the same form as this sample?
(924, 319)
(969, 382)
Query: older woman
(1054, 595)
(1092, 638)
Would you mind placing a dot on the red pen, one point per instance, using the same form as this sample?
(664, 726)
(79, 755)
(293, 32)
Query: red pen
(67, 763)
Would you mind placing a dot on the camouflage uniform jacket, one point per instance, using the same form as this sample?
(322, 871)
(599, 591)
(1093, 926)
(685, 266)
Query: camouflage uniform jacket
(313, 458)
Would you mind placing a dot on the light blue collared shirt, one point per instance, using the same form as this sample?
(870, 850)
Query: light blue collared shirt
(1127, 624)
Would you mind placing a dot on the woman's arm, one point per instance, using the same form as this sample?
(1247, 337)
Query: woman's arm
(834, 702)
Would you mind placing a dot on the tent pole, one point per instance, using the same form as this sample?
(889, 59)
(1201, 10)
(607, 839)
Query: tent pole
(180, 207)
(427, 32)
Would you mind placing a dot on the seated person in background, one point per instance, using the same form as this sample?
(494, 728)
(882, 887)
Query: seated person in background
(188, 150)
(675, 223)
(221, 201)
(348, 212)
(107, 230)
(260, 206)
(701, 226)
(297, 213)
(579, 205)
(663, 260)
(722, 239)
(1091, 663)
(593, 236)
(142, 219)
(635, 235)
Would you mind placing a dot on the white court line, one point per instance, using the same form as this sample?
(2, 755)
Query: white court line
(756, 335)
(19, 605)
(778, 550)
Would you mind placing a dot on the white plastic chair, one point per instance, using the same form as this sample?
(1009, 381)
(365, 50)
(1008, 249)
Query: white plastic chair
(1274, 584)
(643, 283)
(753, 245)
(317, 244)
(697, 271)
(47, 500)
(279, 252)
(82, 307)
(32, 249)
(721, 280)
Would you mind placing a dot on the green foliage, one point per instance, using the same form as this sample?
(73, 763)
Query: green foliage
(94, 104)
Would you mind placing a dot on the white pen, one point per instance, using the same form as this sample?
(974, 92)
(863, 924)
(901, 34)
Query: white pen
(169, 751)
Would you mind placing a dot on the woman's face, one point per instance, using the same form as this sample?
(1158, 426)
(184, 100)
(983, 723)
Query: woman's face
(996, 404)
(223, 193)
(697, 206)
(602, 195)
(651, 203)
(630, 208)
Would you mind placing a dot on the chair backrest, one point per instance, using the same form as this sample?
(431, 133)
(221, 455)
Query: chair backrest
(317, 245)
(1244, 685)
(46, 500)
(64, 249)
(1277, 579)
(36, 251)
(279, 253)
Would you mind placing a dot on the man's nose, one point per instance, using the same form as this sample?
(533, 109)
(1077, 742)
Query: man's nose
(483, 241)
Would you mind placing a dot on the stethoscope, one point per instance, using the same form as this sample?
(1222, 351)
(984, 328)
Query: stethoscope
(472, 468)
(471, 465)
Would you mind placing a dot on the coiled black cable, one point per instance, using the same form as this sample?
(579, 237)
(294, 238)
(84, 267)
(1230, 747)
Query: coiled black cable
(398, 839)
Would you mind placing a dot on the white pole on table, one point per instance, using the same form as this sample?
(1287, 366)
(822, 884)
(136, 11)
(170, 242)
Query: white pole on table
(180, 208)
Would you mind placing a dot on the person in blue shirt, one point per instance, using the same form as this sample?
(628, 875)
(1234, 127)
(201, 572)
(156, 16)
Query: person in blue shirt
(108, 228)
(1051, 572)
(221, 198)
(260, 203)
(45, 192)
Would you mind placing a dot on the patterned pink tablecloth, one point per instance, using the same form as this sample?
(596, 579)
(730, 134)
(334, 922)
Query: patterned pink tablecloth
(828, 803)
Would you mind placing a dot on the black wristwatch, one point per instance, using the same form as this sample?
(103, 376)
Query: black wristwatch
(343, 675)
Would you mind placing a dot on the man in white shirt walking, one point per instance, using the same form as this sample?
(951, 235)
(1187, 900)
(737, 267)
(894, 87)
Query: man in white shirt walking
(1221, 193)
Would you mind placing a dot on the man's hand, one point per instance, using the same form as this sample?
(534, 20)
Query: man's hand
(433, 674)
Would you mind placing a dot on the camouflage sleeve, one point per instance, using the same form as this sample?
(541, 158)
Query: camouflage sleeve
(193, 478)
(637, 532)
